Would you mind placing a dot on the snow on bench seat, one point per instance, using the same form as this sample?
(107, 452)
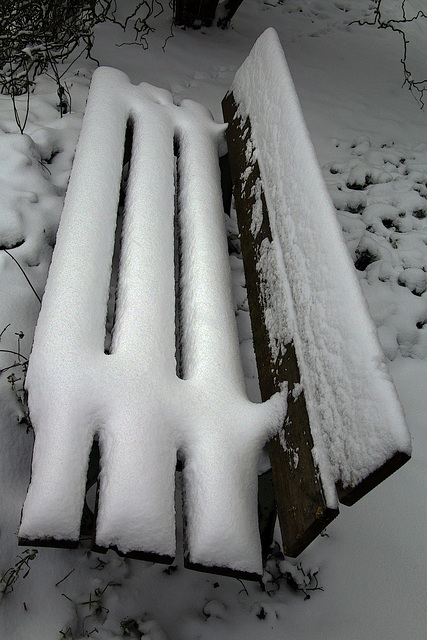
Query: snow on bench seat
(132, 398)
(345, 427)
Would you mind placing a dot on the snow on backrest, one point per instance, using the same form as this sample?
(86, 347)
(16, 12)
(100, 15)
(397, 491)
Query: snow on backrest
(132, 398)
(355, 416)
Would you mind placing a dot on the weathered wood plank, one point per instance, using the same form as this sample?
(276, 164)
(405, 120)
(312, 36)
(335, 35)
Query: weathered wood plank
(267, 512)
(302, 509)
(52, 543)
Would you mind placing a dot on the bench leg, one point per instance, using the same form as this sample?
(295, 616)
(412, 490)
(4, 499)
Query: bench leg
(267, 512)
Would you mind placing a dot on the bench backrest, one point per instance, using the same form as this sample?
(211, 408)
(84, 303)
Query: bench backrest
(345, 431)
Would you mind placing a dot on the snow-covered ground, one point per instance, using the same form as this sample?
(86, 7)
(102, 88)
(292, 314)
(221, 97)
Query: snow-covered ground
(371, 139)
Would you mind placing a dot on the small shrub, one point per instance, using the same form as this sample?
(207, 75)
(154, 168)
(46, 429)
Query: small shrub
(38, 35)
(9, 578)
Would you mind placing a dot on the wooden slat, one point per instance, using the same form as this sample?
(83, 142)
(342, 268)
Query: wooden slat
(53, 543)
(145, 556)
(221, 571)
(302, 509)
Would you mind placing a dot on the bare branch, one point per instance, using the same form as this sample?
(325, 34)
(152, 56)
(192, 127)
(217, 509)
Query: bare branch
(38, 36)
(416, 87)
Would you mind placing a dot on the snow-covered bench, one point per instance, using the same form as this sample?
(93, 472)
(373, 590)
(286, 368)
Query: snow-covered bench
(148, 396)
(132, 399)
(344, 431)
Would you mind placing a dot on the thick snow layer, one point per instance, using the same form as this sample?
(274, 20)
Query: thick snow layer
(371, 565)
(132, 398)
(355, 415)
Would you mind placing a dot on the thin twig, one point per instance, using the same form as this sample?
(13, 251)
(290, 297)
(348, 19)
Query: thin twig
(68, 574)
(416, 87)
(8, 325)
(15, 353)
(25, 275)
(244, 588)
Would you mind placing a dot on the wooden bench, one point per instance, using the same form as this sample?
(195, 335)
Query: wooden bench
(171, 381)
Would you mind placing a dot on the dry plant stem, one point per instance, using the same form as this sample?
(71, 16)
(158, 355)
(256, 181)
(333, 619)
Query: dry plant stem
(65, 577)
(11, 575)
(25, 275)
(416, 87)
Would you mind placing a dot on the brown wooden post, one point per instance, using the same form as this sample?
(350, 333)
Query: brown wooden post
(194, 13)
(302, 509)
(230, 8)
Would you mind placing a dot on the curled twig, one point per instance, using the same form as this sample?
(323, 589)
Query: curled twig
(244, 588)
